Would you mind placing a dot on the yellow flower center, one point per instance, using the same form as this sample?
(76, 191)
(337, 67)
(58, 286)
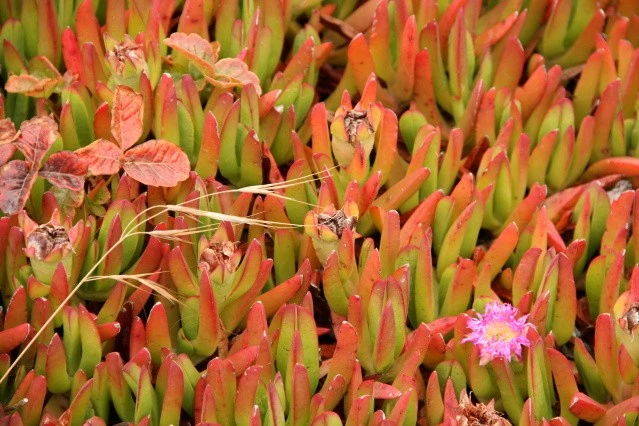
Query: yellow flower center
(500, 331)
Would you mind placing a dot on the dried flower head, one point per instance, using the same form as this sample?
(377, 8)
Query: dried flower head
(498, 333)
(47, 238)
(337, 221)
(126, 57)
(629, 321)
(220, 253)
(327, 228)
(469, 413)
(353, 120)
(354, 127)
(620, 187)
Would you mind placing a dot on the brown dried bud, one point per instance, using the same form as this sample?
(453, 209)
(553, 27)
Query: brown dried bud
(352, 121)
(630, 319)
(478, 414)
(46, 238)
(620, 187)
(337, 221)
(219, 253)
(126, 53)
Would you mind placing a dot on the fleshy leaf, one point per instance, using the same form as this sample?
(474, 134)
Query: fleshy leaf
(16, 179)
(101, 157)
(36, 137)
(65, 169)
(126, 117)
(157, 163)
(195, 48)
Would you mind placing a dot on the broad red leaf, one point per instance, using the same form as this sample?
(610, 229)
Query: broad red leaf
(16, 179)
(7, 131)
(196, 49)
(157, 163)
(6, 152)
(101, 157)
(36, 137)
(65, 169)
(40, 80)
(126, 118)
(32, 86)
(231, 72)
(7, 134)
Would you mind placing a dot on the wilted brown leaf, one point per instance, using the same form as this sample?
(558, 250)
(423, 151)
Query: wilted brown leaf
(157, 163)
(36, 137)
(101, 157)
(196, 49)
(65, 169)
(16, 179)
(231, 72)
(126, 117)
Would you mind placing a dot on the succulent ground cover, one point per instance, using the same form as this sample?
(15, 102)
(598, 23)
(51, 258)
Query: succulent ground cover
(307, 212)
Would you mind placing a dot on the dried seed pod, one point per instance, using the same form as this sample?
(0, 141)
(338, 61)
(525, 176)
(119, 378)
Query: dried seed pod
(47, 238)
(337, 221)
(629, 321)
(469, 413)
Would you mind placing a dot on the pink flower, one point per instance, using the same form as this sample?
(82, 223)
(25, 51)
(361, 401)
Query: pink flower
(498, 333)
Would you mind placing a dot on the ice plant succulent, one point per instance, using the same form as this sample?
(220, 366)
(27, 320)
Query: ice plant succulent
(498, 333)
(280, 212)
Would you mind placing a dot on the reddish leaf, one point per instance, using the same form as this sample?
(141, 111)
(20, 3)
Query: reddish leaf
(196, 49)
(7, 131)
(157, 163)
(126, 119)
(6, 152)
(65, 169)
(12, 337)
(71, 54)
(36, 137)
(230, 72)
(32, 86)
(7, 134)
(16, 179)
(101, 157)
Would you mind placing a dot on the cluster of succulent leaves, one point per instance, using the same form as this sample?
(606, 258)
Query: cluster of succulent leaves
(288, 212)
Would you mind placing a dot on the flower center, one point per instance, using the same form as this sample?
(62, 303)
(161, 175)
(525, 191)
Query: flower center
(500, 331)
